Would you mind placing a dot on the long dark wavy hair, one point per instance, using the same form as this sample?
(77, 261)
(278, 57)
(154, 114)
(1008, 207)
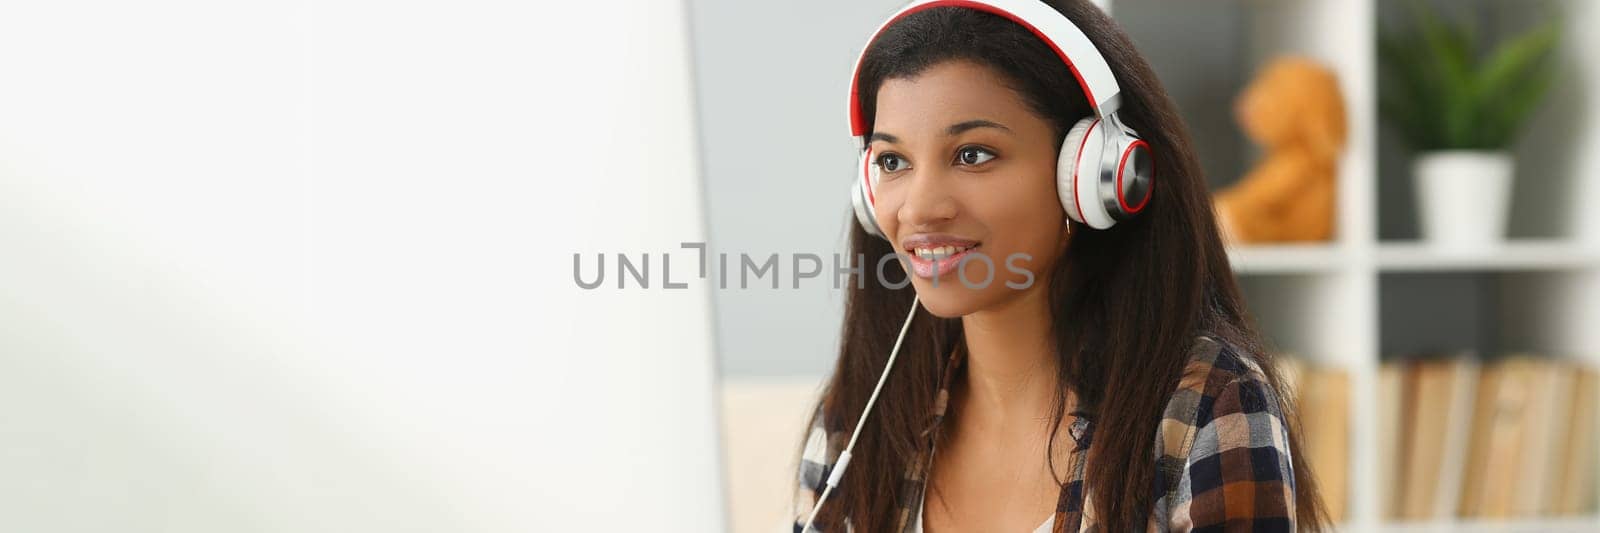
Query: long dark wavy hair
(1131, 297)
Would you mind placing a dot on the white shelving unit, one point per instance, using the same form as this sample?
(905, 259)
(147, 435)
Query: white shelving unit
(1322, 301)
(1553, 255)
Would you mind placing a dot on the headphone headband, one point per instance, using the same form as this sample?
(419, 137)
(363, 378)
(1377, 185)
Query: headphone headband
(1104, 174)
(1064, 37)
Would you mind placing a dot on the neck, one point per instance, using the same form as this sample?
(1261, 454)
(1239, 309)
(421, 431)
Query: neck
(1010, 383)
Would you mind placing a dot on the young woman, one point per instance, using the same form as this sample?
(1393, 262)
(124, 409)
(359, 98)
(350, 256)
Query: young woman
(1106, 377)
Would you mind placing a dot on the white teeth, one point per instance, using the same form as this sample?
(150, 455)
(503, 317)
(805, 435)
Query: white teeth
(940, 252)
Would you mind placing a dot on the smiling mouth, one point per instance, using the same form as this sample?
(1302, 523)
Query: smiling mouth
(936, 253)
(933, 262)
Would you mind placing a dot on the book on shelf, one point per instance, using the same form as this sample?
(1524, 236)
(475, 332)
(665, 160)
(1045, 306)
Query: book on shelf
(1575, 484)
(1435, 450)
(1508, 438)
(1322, 396)
(1391, 438)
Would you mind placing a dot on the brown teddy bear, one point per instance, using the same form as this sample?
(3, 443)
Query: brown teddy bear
(1295, 111)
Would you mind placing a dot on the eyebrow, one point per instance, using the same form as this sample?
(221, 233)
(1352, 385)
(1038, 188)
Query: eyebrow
(880, 136)
(954, 129)
(959, 128)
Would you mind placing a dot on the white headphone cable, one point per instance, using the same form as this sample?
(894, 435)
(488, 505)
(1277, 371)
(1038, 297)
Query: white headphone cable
(844, 457)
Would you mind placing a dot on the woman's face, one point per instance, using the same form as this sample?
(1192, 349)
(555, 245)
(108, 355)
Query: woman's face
(965, 164)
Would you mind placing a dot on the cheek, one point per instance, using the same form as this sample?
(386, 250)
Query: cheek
(884, 210)
(1024, 214)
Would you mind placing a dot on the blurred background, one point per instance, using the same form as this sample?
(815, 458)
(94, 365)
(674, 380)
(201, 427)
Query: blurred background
(1434, 279)
(308, 267)
(328, 266)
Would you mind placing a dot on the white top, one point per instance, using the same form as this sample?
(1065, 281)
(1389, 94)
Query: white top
(916, 521)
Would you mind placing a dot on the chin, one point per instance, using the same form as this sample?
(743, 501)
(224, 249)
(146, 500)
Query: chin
(950, 299)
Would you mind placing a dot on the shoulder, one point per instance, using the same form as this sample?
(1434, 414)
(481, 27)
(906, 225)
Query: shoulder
(1223, 432)
(1214, 362)
(1218, 379)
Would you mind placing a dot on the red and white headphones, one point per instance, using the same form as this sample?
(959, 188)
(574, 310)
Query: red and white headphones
(1104, 171)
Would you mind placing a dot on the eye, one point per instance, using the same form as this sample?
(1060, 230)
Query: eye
(973, 155)
(892, 162)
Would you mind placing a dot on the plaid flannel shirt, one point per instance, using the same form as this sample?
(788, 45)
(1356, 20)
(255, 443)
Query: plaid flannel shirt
(1221, 452)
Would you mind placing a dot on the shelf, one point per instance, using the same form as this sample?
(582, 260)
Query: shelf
(1287, 258)
(1530, 525)
(1414, 256)
(1548, 254)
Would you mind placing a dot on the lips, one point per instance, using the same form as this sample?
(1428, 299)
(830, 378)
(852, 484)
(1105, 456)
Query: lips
(935, 256)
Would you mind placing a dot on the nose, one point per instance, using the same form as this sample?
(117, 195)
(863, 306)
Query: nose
(928, 201)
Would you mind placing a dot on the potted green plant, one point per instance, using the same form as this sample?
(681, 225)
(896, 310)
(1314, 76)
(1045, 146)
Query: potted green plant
(1460, 104)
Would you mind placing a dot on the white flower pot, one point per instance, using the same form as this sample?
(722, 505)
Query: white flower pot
(1464, 197)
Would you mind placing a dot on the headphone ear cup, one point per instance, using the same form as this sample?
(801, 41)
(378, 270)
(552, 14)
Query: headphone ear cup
(862, 197)
(1135, 176)
(1078, 173)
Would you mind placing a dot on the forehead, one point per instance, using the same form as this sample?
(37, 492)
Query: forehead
(947, 93)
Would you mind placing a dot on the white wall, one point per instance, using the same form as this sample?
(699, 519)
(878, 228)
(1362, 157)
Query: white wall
(307, 267)
(773, 81)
